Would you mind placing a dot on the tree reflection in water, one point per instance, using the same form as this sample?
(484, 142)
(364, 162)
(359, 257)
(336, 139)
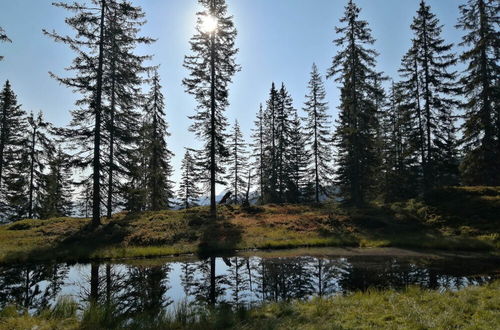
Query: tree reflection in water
(148, 291)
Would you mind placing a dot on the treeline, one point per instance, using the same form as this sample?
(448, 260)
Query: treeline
(431, 127)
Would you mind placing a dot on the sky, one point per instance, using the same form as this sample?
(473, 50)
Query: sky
(278, 41)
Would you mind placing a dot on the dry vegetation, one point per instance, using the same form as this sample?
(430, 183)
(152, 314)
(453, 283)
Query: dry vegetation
(452, 219)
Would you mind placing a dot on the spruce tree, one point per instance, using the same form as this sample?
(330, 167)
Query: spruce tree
(284, 121)
(238, 164)
(354, 68)
(480, 20)
(410, 89)
(270, 159)
(258, 148)
(298, 161)
(3, 38)
(433, 64)
(212, 66)
(55, 199)
(317, 129)
(40, 148)
(12, 150)
(189, 192)
(122, 92)
(85, 132)
(158, 156)
(400, 148)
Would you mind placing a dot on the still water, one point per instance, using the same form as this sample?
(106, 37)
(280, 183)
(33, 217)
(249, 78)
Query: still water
(156, 285)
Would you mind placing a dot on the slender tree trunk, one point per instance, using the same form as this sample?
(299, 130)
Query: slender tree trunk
(316, 147)
(3, 140)
(429, 181)
(32, 171)
(261, 171)
(420, 124)
(111, 143)
(486, 111)
(96, 201)
(356, 195)
(212, 297)
(213, 203)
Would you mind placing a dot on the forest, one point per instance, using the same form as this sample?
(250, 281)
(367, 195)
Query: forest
(408, 163)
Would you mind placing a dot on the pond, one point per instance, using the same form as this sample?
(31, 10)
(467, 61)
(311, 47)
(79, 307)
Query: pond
(245, 280)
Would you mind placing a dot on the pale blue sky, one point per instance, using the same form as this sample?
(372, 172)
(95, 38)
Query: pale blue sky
(278, 41)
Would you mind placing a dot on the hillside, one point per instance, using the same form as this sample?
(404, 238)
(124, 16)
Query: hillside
(452, 219)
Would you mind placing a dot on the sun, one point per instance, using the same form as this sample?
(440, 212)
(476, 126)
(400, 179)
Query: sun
(209, 24)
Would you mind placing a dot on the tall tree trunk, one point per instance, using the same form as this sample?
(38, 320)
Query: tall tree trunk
(3, 140)
(316, 174)
(96, 200)
(212, 298)
(428, 175)
(111, 140)
(32, 171)
(213, 203)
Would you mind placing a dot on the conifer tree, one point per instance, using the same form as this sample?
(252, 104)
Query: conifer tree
(354, 68)
(297, 161)
(481, 134)
(410, 89)
(189, 192)
(433, 60)
(238, 164)
(284, 120)
(12, 144)
(56, 197)
(270, 159)
(85, 132)
(400, 148)
(158, 156)
(258, 148)
(212, 66)
(39, 148)
(3, 38)
(122, 82)
(317, 129)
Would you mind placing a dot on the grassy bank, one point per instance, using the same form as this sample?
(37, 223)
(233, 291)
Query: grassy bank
(414, 308)
(464, 219)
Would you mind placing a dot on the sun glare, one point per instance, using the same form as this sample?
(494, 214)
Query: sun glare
(209, 24)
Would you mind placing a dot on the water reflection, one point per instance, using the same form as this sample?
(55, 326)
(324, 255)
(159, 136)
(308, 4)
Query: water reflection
(238, 281)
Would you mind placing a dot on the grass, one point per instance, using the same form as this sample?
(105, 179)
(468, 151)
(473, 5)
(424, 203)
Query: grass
(466, 219)
(413, 308)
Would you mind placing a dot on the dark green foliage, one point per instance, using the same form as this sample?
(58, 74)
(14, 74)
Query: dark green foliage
(400, 166)
(428, 65)
(237, 171)
(40, 149)
(354, 68)
(318, 135)
(481, 134)
(14, 158)
(85, 132)
(211, 67)
(258, 156)
(123, 96)
(280, 148)
(55, 199)
(159, 187)
(298, 161)
(189, 192)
